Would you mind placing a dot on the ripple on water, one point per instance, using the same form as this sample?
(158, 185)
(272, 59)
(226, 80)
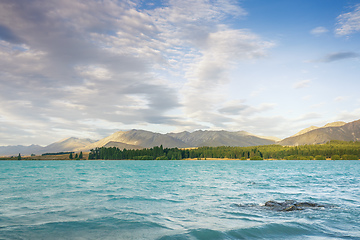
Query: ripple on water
(98, 228)
(177, 200)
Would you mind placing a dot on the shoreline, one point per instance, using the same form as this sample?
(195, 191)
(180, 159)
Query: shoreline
(186, 159)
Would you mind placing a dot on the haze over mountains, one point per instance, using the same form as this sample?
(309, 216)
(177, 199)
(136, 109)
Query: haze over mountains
(64, 145)
(137, 139)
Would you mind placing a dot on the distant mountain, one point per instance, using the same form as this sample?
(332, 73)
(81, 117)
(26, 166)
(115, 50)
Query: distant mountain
(65, 145)
(220, 138)
(305, 130)
(23, 150)
(68, 145)
(135, 139)
(333, 124)
(333, 131)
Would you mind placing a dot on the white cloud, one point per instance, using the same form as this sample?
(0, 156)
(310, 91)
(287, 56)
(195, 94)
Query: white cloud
(348, 116)
(302, 84)
(94, 72)
(109, 62)
(348, 23)
(319, 31)
(222, 49)
(203, 51)
(61, 66)
(77, 66)
(339, 99)
(208, 74)
(308, 116)
(263, 107)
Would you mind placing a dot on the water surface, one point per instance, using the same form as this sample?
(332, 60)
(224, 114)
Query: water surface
(177, 199)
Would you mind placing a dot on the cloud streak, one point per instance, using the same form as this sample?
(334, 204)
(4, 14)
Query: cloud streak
(337, 56)
(318, 31)
(348, 23)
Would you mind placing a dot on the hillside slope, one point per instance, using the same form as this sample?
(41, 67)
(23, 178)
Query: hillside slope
(220, 138)
(67, 144)
(64, 145)
(344, 132)
(333, 124)
(135, 139)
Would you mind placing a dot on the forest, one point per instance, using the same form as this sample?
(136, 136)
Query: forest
(335, 150)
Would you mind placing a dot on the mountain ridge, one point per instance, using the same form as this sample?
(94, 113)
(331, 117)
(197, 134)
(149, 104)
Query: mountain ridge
(64, 145)
(137, 139)
(346, 132)
(332, 124)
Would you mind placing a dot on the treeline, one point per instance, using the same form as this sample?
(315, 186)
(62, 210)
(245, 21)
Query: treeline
(335, 150)
(57, 153)
(12, 157)
(155, 153)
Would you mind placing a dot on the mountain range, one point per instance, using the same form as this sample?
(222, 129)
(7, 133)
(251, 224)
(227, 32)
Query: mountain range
(64, 145)
(334, 131)
(137, 139)
(146, 139)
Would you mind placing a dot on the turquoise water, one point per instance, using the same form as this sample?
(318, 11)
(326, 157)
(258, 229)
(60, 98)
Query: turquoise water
(177, 199)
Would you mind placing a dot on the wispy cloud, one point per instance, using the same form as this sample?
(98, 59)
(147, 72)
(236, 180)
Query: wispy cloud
(87, 68)
(211, 50)
(308, 116)
(77, 63)
(339, 99)
(337, 56)
(81, 62)
(233, 108)
(348, 115)
(302, 84)
(348, 23)
(319, 31)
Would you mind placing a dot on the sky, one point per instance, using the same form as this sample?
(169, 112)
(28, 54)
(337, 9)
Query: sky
(89, 68)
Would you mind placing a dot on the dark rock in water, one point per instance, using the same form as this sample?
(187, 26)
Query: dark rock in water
(290, 205)
(286, 206)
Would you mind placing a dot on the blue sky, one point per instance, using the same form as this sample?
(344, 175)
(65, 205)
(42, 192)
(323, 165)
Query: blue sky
(90, 68)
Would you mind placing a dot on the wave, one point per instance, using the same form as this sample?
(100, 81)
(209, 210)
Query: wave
(289, 230)
(97, 228)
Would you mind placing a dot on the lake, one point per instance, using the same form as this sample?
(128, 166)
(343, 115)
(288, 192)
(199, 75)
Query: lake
(178, 199)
